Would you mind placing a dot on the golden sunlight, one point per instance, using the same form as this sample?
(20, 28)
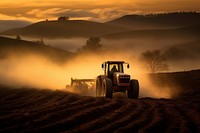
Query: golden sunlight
(107, 10)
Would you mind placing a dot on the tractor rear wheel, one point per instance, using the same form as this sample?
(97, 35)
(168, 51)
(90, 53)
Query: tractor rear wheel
(108, 88)
(133, 91)
(99, 87)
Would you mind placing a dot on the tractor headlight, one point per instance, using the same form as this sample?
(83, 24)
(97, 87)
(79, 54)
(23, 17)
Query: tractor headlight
(124, 79)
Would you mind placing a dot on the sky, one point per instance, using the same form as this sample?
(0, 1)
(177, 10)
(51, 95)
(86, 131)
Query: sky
(95, 10)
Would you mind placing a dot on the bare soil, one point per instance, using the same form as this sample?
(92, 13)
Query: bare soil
(34, 110)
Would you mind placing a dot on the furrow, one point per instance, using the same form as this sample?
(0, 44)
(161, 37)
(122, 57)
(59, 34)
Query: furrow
(159, 120)
(178, 120)
(82, 117)
(133, 115)
(22, 117)
(8, 109)
(146, 117)
(108, 117)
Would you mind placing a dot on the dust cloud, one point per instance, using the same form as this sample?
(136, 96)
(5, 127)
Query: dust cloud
(36, 71)
(39, 72)
(31, 71)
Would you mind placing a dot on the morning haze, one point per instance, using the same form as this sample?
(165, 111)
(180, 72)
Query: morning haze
(58, 43)
(52, 78)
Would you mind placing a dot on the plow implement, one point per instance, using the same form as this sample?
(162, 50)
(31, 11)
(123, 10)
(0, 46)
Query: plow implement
(83, 86)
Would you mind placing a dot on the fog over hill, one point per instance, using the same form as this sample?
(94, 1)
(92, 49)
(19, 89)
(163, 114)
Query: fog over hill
(15, 47)
(175, 34)
(139, 41)
(184, 51)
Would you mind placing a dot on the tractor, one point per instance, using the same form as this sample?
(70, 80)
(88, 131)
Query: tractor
(115, 80)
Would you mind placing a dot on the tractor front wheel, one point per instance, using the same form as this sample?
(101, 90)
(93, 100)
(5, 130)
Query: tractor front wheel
(133, 91)
(108, 88)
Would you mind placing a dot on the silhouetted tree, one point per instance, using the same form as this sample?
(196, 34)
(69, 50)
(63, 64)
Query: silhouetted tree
(92, 44)
(65, 18)
(154, 61)
(41, 41)
(18, 37)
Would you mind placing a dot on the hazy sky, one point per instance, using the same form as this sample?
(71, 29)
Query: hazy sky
(98, 10)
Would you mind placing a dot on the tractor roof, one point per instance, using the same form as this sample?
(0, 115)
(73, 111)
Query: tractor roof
(114, 62)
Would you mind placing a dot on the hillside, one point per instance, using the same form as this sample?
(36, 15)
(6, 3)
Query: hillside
(158, 21)
(191, 32)
(189, 50)
(65, 29)
(34, 110)
(124, 27)
(10, 24)
(10, 47)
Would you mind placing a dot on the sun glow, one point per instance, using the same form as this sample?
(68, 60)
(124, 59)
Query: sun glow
(89, 9)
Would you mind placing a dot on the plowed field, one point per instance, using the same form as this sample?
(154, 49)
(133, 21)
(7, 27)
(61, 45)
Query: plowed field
(43, 110)
(32, 110)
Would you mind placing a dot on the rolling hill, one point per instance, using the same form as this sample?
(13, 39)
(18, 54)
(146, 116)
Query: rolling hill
(10, 24)
(42, 110)
(10, 47)
(191, 32)
(123, 27)
(65, 29)
(157, 21)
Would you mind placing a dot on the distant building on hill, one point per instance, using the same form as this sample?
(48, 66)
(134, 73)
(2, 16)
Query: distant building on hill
(65, 18)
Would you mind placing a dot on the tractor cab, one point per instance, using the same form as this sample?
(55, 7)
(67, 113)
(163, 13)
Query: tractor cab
(110, 67)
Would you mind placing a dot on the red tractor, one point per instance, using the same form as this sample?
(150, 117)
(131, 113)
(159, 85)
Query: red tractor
(115, 80)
